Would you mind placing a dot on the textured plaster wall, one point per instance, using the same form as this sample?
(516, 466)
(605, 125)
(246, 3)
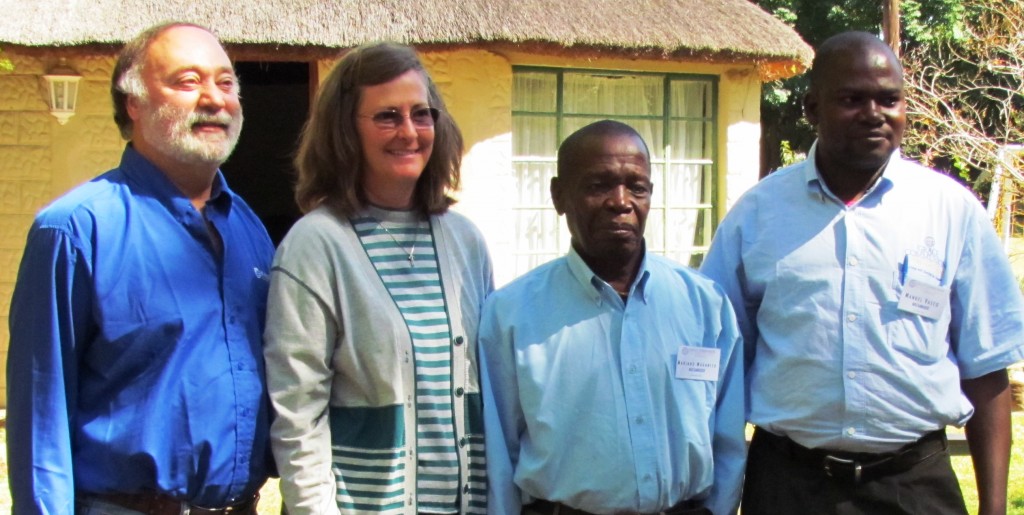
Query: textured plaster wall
(477, 88)
(740, 134)
(40, 159)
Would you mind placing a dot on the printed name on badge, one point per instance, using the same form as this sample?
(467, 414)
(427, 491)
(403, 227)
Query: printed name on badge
(923, 299)
(699, 363)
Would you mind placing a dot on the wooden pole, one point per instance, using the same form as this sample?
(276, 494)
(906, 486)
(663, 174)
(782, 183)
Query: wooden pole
(891, 24)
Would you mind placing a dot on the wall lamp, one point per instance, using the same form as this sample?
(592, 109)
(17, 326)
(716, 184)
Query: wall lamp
(62, 83)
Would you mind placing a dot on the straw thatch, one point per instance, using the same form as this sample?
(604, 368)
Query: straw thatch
(709, 30)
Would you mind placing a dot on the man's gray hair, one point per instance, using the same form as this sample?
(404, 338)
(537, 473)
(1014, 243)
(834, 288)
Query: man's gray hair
(127, 77)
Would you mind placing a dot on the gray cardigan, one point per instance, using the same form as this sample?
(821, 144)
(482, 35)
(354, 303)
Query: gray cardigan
(340, 370)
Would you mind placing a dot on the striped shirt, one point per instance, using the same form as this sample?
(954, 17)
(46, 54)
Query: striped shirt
(403, 254)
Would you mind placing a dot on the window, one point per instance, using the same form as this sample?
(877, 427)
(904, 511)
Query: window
(675, 114)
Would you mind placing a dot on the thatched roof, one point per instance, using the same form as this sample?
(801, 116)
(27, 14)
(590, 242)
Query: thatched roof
(707, 30)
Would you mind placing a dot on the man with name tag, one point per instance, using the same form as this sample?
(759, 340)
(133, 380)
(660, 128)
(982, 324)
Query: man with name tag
(877, 307)
(612, 377)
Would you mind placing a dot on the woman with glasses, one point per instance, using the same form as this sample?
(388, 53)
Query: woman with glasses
(374, 301)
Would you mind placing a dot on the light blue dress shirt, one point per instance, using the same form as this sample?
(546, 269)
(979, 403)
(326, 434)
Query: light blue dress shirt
(582, 404)
(832, 359)
(135, 362)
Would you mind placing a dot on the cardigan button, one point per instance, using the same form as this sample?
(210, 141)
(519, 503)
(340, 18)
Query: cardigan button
(459, 391)
(459, 340)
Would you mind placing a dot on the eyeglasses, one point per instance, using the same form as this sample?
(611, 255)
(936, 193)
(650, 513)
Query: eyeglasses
(391, 119)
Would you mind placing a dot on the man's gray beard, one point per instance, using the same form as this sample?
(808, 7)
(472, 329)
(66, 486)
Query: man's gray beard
(177, 141)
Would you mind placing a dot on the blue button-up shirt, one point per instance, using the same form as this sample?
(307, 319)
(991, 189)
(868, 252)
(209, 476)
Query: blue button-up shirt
(583, 405)
(135, 357)
(833, 360)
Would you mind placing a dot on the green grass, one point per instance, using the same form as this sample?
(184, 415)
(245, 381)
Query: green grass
(270, 503)
(1015, 494)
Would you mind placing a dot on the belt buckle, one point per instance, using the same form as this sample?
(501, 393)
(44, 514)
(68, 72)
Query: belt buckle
(833, 460)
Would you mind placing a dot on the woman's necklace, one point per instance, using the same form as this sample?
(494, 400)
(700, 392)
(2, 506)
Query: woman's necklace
(410, 253)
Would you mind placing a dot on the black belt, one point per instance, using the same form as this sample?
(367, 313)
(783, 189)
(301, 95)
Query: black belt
(690, 507)
(160, 504)
(859, 467)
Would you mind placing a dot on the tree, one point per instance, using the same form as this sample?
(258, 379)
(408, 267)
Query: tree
(964, 95)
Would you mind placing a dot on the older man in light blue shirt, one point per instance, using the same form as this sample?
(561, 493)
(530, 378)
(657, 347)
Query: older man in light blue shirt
(877, 307)
(612, 377)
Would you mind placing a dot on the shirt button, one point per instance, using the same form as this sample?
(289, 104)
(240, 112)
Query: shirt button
(851, 317)
(647, 477)
(462, 442)
(459, 391)
(465, 489)
(851, 375)
(853, 261)
(632, 369)
(850, 431)
(639, 420)
(459, 340)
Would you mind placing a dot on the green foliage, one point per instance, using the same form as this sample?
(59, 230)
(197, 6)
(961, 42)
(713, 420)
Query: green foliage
(788, 155)
(5, 64)
(926, 22)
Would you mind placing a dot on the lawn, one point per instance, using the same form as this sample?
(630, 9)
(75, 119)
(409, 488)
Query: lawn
(270, 505)
(1015, 496)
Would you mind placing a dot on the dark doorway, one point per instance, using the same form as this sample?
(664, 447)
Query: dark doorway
(275, 100)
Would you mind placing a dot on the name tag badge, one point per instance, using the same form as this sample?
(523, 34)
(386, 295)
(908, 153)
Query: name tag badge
(923, 299)
(699, 363)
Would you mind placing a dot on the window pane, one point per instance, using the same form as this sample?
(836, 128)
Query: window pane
(691, 99)
(534, 136)
(691, 140)
(539, 238)
(685, 185)
(654, 232)
(609, 95)
(534, 92)
(532, 179)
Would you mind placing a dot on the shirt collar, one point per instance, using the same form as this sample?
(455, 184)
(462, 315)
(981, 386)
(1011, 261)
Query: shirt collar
(148, 179)
(594, 285)
(816, 185)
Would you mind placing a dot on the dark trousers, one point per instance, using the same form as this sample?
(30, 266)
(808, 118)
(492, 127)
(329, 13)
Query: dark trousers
(780, 483)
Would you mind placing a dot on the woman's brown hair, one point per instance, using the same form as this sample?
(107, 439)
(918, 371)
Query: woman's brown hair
(330, 158)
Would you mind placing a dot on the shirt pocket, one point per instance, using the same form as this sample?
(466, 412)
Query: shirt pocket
(914, 336)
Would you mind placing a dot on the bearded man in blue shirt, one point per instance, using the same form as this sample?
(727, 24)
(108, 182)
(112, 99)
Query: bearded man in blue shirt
(877, 307)
(135, 378)
(612, 377)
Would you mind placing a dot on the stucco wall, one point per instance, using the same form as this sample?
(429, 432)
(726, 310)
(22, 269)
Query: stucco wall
(477, 88)
(40, 159)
